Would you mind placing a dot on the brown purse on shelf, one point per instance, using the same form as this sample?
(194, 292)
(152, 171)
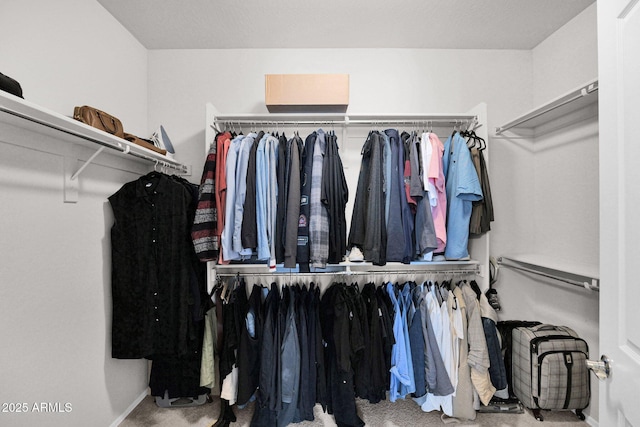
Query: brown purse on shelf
(143, 143)
(99, 120)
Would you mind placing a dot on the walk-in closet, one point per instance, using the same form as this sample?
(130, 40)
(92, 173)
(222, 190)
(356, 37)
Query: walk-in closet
(129, 298)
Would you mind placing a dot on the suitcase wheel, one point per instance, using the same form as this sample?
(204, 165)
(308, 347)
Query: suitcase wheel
(537, 414)
(580, 415)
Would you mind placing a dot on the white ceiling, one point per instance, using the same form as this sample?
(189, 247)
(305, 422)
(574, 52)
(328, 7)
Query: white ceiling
(442, 24)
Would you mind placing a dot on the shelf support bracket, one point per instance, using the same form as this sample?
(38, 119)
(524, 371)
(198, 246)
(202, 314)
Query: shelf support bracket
(70, 185)
(71, 178)
(87, 163)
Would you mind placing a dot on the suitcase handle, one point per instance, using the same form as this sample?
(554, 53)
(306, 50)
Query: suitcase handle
(546, 327)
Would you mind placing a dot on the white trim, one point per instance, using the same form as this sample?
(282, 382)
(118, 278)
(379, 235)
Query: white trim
(127, 411)
(591, 421)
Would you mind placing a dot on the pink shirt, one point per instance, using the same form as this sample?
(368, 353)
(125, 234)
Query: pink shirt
(436, 178)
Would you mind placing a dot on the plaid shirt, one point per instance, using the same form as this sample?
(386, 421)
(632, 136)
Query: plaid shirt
(319, 217)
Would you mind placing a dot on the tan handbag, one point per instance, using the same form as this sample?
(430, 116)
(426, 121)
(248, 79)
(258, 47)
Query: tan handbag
(99, 120)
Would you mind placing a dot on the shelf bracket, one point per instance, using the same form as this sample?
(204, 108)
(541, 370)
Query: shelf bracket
(87, 163)
(71, 179)
(70, 185)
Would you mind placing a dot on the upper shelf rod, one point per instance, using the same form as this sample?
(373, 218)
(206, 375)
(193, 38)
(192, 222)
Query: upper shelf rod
(355, 119)
(590, 283)
(575, 95)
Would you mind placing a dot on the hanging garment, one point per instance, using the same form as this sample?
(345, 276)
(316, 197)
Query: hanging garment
(242, 167)
(281, 207)
(334, 197)
(368, 230)
(248, 231)
(425, 236)
(290, 361)
(395, 225)
(268, 399)
(205, 240)
(340, 333)
(478, 354)
(292, 214)
(435, 402)
(228, 253)
(437, 192)
(303, 252)
(463, 405)
(266, 198)
(223, 143)
(319, 217)
(417, 342)
(250, 340)
(401, 382)
(373, 363)
(151, 267)
(262, 195)
(482, 213)
(306, 400)
(463, 188)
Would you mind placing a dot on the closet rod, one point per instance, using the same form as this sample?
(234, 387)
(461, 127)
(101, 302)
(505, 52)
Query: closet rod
(592, 286)
(358, 119)
(352, 273)
(574, 96)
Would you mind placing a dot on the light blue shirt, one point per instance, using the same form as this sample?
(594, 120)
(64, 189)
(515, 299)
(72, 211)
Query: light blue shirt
(463, 188)
(262, 193)
(241, 193)
(402, 381)
(228, 253)
(272, 200)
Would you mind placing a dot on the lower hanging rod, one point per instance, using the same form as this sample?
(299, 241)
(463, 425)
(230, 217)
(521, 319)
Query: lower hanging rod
(352, 273)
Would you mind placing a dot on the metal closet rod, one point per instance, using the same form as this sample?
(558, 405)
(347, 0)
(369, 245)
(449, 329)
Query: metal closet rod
(353, 273)
(593, 285)
(468, 122)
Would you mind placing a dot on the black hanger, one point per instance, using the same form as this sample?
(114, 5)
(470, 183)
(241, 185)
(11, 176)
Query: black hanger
(476, 288)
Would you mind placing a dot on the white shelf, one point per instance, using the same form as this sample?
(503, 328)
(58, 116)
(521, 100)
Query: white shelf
(444, 267)
(582, 275)
(562, 106)
(27, 115)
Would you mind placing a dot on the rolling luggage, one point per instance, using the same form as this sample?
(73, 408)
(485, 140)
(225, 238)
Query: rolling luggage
(549, 369)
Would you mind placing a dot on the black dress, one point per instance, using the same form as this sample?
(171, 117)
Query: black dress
(151, 268)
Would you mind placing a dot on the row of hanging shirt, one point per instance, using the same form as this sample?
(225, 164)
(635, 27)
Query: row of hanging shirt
(416, 196)
(268, 198)
(423, 341)
(271, 199)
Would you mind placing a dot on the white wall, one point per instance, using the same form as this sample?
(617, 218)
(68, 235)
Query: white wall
(73, 52)
(382, 81)
(567, 58)
(560, 169)
(55, 302)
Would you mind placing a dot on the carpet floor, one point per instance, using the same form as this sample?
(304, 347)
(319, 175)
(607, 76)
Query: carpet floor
(402, 413)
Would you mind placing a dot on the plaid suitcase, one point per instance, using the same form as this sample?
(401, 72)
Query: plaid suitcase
(549, 369)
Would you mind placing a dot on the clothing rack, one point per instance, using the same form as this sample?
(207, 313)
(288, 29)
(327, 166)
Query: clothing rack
(587, 282)
(467, 120)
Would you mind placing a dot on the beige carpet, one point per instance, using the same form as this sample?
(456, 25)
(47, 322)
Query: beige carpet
(402, 413)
